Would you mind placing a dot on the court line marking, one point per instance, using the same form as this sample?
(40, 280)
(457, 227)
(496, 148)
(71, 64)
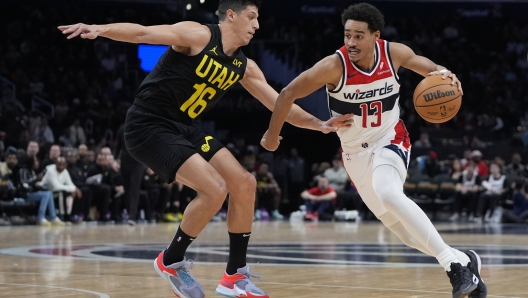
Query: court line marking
(88, 255)
(263, 282)
(101, 295)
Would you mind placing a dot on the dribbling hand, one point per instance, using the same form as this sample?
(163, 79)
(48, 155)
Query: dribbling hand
(85, 31)
(270, 143)
(451, 75)
(335, 123)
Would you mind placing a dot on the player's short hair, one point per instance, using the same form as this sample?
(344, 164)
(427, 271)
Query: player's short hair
(235, 5)
(364, 12)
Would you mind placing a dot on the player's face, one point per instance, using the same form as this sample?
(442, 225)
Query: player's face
(359, 40)
(246, 23)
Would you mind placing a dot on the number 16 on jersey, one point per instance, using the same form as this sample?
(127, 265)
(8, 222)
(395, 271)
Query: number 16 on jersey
(196, 103)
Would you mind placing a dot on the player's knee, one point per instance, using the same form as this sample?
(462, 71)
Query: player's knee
(245, 184)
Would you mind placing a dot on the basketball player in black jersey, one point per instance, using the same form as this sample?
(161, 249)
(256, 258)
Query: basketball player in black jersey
(201, 63)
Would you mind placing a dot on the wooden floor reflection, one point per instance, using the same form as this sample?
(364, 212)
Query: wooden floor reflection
(296, 260)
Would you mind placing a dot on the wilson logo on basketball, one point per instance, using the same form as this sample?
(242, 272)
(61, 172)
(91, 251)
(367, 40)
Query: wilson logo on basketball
(437, 95)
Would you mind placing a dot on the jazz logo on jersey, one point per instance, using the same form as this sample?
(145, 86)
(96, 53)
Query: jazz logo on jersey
(218, 75)
(214, 50)
(369, 93)
(237, 63)
(206, 147)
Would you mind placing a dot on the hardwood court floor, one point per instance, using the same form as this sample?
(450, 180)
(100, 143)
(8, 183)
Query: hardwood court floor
(296, 260)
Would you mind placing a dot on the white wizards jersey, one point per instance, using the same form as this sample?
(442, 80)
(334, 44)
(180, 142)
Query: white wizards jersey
(372, 96)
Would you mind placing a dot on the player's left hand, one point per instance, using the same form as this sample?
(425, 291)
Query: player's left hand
(270, 143)
(451, 75)
(335, 123)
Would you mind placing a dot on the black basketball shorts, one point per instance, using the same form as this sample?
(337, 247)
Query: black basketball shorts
(163, 144)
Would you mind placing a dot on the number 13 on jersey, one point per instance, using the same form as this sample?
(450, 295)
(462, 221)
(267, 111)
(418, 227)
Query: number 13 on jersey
(373, 108)
(196, 103)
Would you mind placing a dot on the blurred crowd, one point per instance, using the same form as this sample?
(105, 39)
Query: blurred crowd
(63, 101)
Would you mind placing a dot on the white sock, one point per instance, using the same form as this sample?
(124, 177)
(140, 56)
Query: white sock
(445, 259)
(462, 257)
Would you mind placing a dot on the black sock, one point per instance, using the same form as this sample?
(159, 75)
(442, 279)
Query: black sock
(176, 250)
(238, 243)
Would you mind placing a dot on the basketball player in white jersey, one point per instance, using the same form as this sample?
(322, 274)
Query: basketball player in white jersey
(361, 78)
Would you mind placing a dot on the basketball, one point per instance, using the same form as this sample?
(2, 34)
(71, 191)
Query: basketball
(436, 100)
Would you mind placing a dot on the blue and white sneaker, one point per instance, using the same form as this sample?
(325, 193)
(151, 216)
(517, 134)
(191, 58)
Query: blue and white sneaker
(183, 284)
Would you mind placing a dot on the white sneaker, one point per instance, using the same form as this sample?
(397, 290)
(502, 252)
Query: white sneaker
(258, 216)
(276, 214)
(57, 222)
(454, 217)
(43, 222)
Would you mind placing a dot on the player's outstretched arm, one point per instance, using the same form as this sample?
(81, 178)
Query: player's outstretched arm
(405, 57)
(255, 83)
(326, 71)
(183, 34)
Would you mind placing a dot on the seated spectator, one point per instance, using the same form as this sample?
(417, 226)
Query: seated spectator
(99, 176)
(481, 166)
(467, 188)
(515, 169)
(57, 179)
(77, 135)
(494, 187)
(79, 180)
(26, 183)
(54, 152)
(319, 200)
(268, 194)
(423, 141)
(5, 168)
(519, 212)
(456, 170)
(431, 166)
(336, 175)
(83, 161)
(153, 196)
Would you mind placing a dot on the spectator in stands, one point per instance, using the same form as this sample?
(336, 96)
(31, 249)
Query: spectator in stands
(423, 141)
(32, 149)
(102, 185)
(319, 200)
(318, 172)
(467, 157)
(297, 181)
(432, 168)
(132, 172)
(336, 175)
(268, 195)
(57, 179)
(79, 180)
(494, 187)
(467, 188)
(43, 133)
(7, 165)
(154, 195)
(456, 170)
(519, 212)
(77, 135)
(481, 166)
(54, 153)
(28, 187)
(515, 169)
(84, 161)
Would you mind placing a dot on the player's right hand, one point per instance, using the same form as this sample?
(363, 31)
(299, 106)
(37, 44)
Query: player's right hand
(85, 31)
